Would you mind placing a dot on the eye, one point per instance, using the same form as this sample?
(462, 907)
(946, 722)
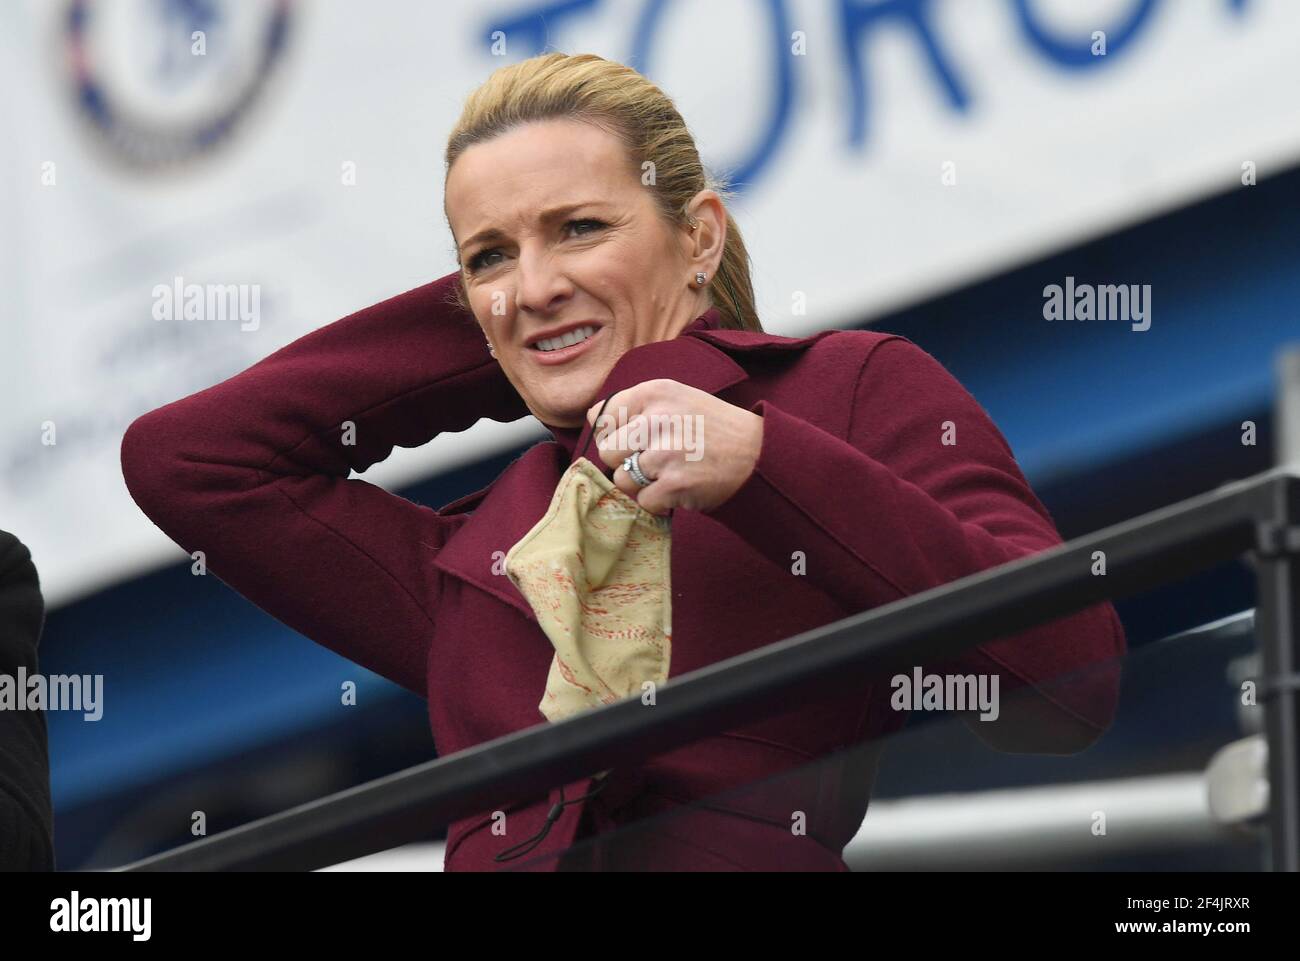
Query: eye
(476, 262)
(595, 223)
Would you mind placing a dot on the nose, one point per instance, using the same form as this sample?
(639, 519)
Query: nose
(541, 287)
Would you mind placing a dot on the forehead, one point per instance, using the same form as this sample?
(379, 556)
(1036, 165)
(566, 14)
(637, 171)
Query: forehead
(513, 177)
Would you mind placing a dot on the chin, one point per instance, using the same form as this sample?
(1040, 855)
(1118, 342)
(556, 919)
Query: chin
(569, 412)
(572, 406)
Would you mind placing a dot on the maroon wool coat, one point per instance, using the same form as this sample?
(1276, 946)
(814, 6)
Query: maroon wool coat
(851, 472)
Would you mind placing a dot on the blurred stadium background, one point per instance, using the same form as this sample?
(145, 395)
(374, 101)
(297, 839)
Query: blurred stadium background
(927, 167)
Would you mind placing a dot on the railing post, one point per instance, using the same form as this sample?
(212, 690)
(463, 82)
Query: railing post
(1278, 624)
(1287, 413)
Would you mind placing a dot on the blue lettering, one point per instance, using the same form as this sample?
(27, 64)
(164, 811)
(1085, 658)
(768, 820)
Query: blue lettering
(1077, 54)
(746, 172)
(857, 19)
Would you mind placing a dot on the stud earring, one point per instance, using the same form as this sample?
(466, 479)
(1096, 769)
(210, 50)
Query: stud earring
(701, 277)
(693, 222)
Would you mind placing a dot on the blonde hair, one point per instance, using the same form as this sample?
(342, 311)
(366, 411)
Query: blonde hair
(616, 98)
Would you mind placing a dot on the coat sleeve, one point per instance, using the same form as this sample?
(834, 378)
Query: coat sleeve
(893, 510)
(254, 471)
(26, 817)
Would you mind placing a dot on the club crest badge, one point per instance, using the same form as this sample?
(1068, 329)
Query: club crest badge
(164, 82)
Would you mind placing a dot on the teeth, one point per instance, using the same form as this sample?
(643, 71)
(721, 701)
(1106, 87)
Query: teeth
(565, 340)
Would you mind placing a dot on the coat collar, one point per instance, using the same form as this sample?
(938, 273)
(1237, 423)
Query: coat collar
(701, 356)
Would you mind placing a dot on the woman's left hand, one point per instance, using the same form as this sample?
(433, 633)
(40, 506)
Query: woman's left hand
(697, 450)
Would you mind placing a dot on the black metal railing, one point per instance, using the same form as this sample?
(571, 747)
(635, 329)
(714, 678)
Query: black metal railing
(1260, 514)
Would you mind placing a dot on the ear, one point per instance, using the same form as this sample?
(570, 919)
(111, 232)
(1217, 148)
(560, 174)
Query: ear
(706, 242)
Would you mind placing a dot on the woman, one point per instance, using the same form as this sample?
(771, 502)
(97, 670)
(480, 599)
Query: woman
(597, 266)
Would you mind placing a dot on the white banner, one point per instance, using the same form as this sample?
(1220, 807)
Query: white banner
(292, 152)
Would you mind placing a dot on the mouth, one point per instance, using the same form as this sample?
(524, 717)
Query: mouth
(565, 345)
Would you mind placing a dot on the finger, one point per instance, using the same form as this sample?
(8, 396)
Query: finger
(624, 482)
(657, 498)
(593, 412)
(602, 416)
(620, 442)
(647, 498)
(651, 462)
(629, 399)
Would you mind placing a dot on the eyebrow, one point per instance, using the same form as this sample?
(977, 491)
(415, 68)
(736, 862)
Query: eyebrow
(547, 216)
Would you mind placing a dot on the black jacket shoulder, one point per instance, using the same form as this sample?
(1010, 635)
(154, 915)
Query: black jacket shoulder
(26, 816)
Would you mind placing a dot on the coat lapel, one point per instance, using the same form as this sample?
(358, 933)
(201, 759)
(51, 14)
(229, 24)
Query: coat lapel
(512, 505)
(508, 508)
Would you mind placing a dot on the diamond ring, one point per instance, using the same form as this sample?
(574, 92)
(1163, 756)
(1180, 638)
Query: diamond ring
(633, 467)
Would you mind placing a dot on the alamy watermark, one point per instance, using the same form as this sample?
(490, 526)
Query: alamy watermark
(75, 914)
(1130, 302)
(58, 692)
(684, 432)
(946, 692)
(182, 301)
